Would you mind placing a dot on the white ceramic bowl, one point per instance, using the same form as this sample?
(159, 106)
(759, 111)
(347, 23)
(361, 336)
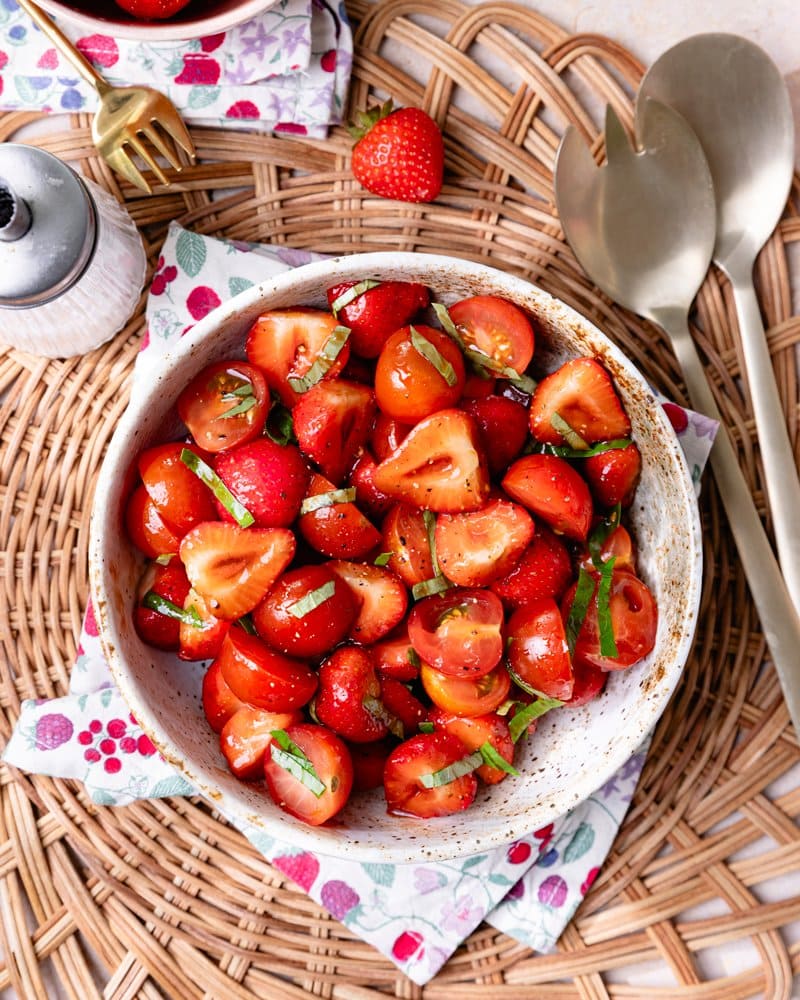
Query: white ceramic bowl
(198, 19)
(573, 751)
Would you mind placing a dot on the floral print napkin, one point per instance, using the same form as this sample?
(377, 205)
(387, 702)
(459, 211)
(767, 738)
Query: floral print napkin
(287, 69)
(416, 915)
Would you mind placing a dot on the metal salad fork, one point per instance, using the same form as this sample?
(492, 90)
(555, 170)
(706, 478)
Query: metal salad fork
(643, 228)
(127, 117)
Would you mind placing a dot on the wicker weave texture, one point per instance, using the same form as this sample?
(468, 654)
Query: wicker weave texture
(163, 898)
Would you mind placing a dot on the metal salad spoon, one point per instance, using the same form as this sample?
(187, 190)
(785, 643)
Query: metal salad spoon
(736, 101)
(643, 228)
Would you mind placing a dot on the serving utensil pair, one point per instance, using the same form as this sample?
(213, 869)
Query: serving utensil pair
(127, 118)
(708, 180)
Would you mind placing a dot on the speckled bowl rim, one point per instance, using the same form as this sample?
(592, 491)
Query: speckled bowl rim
(421, 842)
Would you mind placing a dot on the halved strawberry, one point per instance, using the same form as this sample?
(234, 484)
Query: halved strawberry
(285, 343)
(332, 421)
(475, 548)
(247, 734)
(554, 491)
(544, 570)
(502, 428)
(338, 530)
(582, 394)
(614, 475)
(268, 479)
(420, 757)
(395, 657)
(201, 641)
(263, 678)
(233, 567)
(400, 703)
(438, 466)
(171, 583)
(404, 533)
(219, 702)
(382, 597)
(387, 433)
(377, 311)
(368, 496)
(348, 700)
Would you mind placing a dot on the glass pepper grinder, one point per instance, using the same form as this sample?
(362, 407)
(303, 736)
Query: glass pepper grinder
(72, 264)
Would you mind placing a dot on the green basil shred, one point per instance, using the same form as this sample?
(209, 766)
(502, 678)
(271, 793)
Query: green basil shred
(291, 758)
(430, 352)
(187, 616)
(312, 600)
(579, 608)
(608, 646)
(453, 771)
(570, 435)
(518, 726)
(351, 294)
(328, 499)
(324, 361)
(206, 475)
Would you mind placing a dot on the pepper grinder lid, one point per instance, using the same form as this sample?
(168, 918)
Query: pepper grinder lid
(48, 226)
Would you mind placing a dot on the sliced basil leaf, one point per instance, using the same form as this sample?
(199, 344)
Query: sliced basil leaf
(413, 657)
(579, 608)
(328, 499)
(206, 475)
(324, 361)
(188, 616)
(506, 707)
(453, 771)
(494, 759)
(242, 398)
(351, 294)
(448, 325)
(427, 727)
(426, 588)
(429, 519)
(308, 602)
(165, 558)
(605, 627)
(431, 353)
(601, 533)
(246, 623)
(570, 435)
(291, 758)
(562, 451)
(519, 724)
(383, 559)
(279, 427)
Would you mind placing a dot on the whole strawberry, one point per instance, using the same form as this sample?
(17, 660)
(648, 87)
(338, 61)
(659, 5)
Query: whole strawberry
(399, 154)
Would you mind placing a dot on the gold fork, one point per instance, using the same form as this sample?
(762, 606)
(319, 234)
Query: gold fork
(126, 116)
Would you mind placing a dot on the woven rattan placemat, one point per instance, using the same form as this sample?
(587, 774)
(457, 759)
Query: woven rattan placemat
(162, 898)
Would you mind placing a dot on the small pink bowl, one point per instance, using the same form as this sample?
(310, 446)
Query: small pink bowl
(198, 19)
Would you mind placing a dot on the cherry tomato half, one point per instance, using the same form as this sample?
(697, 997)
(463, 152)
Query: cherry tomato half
(226, 404)
(634, 621)
(497, 328)
(459, 632)
(466, 696)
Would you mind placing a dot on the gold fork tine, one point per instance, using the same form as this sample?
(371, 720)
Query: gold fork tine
(133, 140)
(172, 123)
(119, 161)
(123, 113)
(151, 133)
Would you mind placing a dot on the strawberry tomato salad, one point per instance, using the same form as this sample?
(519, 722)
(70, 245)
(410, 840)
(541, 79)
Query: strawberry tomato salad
(396, 549)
